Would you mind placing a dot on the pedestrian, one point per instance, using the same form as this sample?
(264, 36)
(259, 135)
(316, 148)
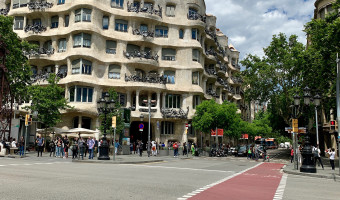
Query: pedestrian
(134, 147)
(185, 151)
(331, 153)
(66, 146)
(21, 146)
(59, 147)
(175, 147)
(14, 144)
(52, 148)
(40, 142)
(116, 147)
(249, 153)
(264, 154)
(154, 152)
(81, 147)
(140, 144)
(90, 144)
(85, 147)
(75, 148)
(316, 152)
(257, 152)
(131, 148)
(291, 155)
(193, 149)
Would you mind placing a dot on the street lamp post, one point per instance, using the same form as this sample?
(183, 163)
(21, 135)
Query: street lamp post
(338, 99)
(149, 102)
(296, 105)
(105, 106)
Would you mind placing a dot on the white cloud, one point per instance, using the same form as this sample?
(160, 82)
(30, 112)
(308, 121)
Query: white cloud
(250, 24)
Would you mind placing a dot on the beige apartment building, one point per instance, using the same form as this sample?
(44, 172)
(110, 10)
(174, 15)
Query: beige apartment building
(169, 51)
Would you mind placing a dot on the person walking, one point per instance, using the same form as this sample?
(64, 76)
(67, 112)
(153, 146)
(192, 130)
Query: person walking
(193, 149)
(185, 151)
(116, 147)
(40, 142)
(90, 144)
(75, 148)
(257, 152)
(66, 146)
(21, 146)
(81, 147)
(249, 152)
(317, 155)
(52, 148)
(140, 145)
(175, 147)
(331, 153)
(291, 155)
(153, 147)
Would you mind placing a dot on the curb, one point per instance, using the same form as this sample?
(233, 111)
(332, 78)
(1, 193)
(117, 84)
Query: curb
(333, 176)
(118, 162)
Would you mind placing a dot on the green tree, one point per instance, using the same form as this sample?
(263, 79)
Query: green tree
(49, 100)
(19, 71)
(116, 111)
(210, 115)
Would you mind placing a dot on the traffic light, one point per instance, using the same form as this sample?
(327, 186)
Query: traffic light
(30, 120)
(332, 123)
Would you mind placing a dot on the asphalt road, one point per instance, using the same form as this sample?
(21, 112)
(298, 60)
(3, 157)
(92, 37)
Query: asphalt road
(55, 178)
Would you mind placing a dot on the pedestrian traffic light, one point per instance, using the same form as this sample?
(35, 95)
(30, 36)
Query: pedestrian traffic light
(30, 120)
(332, 123)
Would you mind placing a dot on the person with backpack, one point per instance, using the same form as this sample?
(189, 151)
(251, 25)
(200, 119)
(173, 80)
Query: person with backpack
(316, 152)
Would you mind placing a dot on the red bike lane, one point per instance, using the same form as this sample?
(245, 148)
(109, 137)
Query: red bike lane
(260, 182)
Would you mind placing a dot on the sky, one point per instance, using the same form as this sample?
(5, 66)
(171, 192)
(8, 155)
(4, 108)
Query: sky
(250, 24)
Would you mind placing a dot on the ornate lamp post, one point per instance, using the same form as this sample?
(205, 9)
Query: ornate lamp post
(149, 102)
(105, 106)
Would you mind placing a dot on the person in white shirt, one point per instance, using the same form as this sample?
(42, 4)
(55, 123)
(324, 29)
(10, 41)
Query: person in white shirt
(317, 152)
(13, 144)
(331, 153)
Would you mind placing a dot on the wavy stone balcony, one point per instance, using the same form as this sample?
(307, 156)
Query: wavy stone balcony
(36, 28)
(44, 76)
(145, 9)
(142, 55)
(212, 34)
(147, 79)
(196, 16)
(175, 113)
(39, 6)
(38, 52)
(4, 11)
(143, 33)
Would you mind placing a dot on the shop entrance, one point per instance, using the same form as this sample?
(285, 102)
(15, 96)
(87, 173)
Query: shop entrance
(135, 134)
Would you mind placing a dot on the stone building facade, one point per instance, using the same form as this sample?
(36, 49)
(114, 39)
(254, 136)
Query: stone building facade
(166, 50)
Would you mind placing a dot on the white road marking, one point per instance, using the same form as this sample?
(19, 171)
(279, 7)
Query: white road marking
(27, 164)
(184, 197)
(180, 168)
(280, 190)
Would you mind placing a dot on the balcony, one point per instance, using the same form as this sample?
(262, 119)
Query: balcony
(146, 9)
(36, 28)
(223, 68)
(174, 113)
(40, 6)
(210, 71)
(38, 52)
(141, 55)
(146, 110)
(146, 79)
(4, 11)
(237, 80)
(196, 16)
(211, 34)
(213, 93)
(44, 76)
(143, 33)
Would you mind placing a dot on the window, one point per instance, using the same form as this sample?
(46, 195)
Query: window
(181, 34)
(82, 39)
(80, 94)
(195, 78)
(170, 77)
(193, 13)
(170, 11)
(19, 23)
(140, 73)
(67, 20)
(196, 101)
(62, 69)
(105, 22)
(131, 48)
(147, 5)
(36, 21)
(48, 45)
(83, 14)
(19, 3)
(143, 28)
(161, 31)
(62, 45)
(195, 34)
(196, 55)
(34, 70)
(49, 69)
(54, 22)
(172, 101)
(167, 128)
(111, 46)
(168, 54)
(218, 92)
(117, 3)
(86, 66)
(114, 72)
(61, 2)
(121, 25)
(136, 4)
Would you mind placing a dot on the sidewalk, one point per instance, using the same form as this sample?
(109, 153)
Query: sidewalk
(320, 173)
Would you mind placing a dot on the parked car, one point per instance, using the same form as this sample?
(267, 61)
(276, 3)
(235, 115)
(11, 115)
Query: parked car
(232, 151)
(242, 150)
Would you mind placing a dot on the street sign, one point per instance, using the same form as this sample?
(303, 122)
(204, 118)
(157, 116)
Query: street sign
(186, 125)
(141, 127)
(114, 118)
(295, 125)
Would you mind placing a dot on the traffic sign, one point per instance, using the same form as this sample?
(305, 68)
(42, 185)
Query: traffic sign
(141, 127)
(186, 126)
(295, 125)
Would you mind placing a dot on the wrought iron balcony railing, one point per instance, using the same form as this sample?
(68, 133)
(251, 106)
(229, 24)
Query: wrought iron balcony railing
(223, 68)
(144, 9)
(147, 79)
(211, 34)
(44, 76)
(143, 33)
(212, 93)
(4, 11)
(36, 28)
(39, 5)
(210, 71)
(38, 52)
(147, 110)
(141, 54)
(237, 80)
(196, 16)
(177, 113)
